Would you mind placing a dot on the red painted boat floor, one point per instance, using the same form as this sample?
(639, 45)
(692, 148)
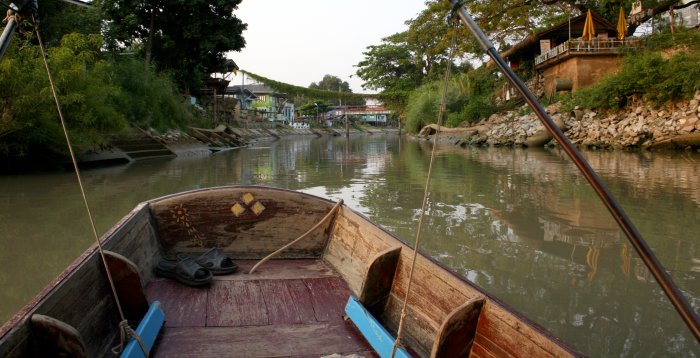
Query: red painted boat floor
(287, 308)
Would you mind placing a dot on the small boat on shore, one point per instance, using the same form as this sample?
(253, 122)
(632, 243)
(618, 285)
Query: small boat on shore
(292, 305)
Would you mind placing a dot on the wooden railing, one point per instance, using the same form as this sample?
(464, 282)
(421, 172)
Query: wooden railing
(578, 45)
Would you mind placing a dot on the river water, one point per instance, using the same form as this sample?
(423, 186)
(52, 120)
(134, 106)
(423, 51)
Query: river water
(521, 223)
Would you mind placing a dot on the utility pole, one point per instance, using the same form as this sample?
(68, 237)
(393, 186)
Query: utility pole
(243, 99)
(345, 114)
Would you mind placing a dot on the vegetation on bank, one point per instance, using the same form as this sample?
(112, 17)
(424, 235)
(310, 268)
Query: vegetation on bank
(408, 66)
(114, 65)
(666, 69)
(99, 95)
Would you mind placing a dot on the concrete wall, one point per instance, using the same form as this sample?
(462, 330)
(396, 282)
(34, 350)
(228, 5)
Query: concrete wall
(582, 70)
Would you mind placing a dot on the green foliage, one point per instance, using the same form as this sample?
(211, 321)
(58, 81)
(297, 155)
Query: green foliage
(314, 108)
(86, 94)
(58, 18)
(334, 83)
(260, 104)
(99, 97)
(331, 83)
(649, 75)
(390, 66)
(185, 38)
(293, 90)
(665, 40)
(422, 107)
(468, 100)
(148, 99)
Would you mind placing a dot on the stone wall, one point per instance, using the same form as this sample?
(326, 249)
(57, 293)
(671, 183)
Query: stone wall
(640, 125)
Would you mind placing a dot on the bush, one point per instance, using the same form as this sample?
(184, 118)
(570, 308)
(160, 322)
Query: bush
(148, 99)
(86, 93)
(99, 97)
(468, 100)
(649, 75)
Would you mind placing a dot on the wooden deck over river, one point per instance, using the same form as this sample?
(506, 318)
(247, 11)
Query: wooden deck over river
(291, 306)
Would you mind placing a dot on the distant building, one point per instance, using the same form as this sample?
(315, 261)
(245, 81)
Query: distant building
(271, 105)
(375, 115)
(244, 96)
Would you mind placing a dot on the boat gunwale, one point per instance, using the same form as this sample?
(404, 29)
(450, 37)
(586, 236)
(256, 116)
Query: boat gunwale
(16, 320)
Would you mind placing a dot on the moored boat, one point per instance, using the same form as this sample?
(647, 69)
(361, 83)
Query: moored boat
(291, 305)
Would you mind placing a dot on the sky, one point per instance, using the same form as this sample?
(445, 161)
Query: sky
(300, 41)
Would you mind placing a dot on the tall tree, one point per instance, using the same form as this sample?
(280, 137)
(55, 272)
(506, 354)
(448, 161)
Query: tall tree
(58, 18)
(390, 66)
(335, 84)
(331, 83)
(185, 38)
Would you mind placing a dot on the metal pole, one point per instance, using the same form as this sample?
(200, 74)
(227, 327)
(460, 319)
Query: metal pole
(7, 34)
(660, 274)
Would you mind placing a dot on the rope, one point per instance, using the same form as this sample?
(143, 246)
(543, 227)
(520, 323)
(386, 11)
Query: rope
(10, 14)
(125, 334)
(307, 233)
(426, 192)
(80, 182)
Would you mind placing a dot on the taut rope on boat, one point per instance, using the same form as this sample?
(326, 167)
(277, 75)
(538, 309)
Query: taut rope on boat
(125, 331)
(304, 235)
(426, 191)
(647, 255)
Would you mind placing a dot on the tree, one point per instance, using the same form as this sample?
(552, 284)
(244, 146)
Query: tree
(188, 39)
(86, 92)
(335, 84)
(390, 66)
(58, 18)
(331, 83)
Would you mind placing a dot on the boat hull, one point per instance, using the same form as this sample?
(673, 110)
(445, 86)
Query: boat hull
(447, 315)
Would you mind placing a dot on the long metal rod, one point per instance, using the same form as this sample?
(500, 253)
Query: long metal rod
(657, 270)
(7, 35)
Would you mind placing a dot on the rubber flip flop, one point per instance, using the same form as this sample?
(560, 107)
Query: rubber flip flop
(217, 262)
(185, 269)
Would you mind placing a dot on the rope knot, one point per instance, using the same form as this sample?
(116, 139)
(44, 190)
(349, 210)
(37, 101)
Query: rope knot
(10, 15)
(125, 334)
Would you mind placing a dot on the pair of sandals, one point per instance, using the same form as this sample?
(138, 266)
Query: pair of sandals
(196, 271)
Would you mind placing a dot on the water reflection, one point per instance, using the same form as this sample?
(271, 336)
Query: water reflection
(523, 224)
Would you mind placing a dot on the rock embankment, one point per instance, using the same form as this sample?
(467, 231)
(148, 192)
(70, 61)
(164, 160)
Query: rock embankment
(640, 125)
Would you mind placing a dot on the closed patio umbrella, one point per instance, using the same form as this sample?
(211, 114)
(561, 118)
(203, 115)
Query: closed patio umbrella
(621, 25)
(588, 28)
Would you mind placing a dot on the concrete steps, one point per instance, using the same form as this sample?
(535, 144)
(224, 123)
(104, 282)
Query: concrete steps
(141, 146)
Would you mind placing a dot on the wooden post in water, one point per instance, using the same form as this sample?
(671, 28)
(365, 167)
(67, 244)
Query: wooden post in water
(216, 109)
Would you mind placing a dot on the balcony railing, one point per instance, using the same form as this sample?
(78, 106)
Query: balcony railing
(580, 46)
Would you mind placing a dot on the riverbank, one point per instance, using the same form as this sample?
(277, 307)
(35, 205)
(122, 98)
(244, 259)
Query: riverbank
(189, 144)
(149, 144)
(640, 125)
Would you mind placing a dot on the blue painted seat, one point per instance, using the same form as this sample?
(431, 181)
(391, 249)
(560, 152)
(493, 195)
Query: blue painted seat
(148, 331)
(372, 330)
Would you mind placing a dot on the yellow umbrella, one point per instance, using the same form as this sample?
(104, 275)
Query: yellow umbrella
(588, 28)
(621, 25)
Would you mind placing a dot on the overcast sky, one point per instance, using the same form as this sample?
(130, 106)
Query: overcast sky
(300, 41)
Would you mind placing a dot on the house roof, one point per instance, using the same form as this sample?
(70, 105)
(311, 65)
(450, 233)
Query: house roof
(258, 89)
(558, 33)
(236, 90)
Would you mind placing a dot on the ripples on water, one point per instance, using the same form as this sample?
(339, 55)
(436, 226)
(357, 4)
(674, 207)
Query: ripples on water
(523, 224)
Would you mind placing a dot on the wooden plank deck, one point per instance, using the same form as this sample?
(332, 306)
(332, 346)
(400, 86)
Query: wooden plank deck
(287, 308)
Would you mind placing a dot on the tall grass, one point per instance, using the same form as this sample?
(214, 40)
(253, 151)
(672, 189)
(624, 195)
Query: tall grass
(469, 99)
